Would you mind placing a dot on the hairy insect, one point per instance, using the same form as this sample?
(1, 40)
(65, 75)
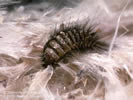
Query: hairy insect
(67, 40)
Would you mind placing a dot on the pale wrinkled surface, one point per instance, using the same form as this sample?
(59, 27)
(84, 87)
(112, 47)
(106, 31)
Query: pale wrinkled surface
(24, 32)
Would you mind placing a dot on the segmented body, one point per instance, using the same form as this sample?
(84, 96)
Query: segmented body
(65, 41)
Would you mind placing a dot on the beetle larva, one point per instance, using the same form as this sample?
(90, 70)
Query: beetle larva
(65, 41)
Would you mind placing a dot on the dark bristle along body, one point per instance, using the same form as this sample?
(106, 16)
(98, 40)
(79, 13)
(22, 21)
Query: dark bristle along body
(67, 40)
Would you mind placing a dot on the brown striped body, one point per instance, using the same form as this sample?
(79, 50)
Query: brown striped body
(64, 42)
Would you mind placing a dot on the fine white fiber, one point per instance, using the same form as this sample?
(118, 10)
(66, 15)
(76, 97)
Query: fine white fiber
(26, 26)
